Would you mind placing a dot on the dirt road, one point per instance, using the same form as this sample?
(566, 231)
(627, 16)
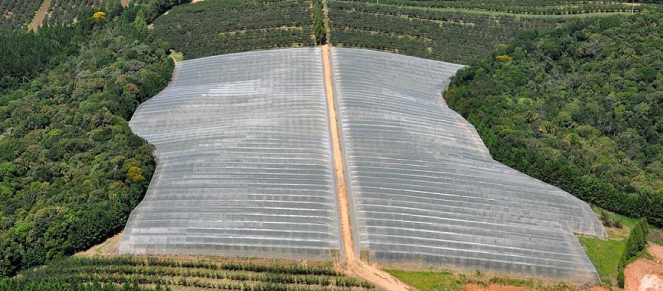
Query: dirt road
(354, 267)
(39, 16)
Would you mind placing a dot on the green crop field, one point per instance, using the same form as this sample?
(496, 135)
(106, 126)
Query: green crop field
(218, 27)
(17, 14)
(453, 31)
(187, 274)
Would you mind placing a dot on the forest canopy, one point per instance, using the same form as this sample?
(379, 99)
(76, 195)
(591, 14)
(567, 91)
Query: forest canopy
(71, 170)
(579, 107)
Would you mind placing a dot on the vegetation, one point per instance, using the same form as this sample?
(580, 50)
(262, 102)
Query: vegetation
(60, 285)
(522, 7)
(232, 275)
(635, 243)
(578, 107)
(603, 253)
(319, 29)
(17, 14)
(452, 31)
(71, 170)
(65, 11)
(218, 27)
(446, 280)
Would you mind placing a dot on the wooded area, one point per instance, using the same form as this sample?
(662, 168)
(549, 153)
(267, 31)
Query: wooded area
(578, 107)
(71, 168)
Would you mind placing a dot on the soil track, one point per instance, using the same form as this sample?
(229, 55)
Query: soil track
(39, 16)
(354, 267)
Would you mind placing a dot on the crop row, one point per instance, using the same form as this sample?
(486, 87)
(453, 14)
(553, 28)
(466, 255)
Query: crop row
(186, 282)
(65, 11)
(217, 27)
(16, 14)
(197, 273)
(528, 7)
(292, 269)
(447, 36)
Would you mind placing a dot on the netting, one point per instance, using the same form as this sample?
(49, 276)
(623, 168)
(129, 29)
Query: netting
(244, 160)
(424, 188)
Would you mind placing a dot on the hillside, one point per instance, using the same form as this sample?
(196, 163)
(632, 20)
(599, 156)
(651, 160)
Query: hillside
(453, 31)
(566, 91)
(71, 170)
(578, 107)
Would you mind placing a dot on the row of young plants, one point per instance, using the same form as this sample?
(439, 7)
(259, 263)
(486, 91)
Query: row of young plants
(219, 27)
(209, 275)
(17, 14)
(525, 7)
(281, 268)
(170, 273)
(447, 36)
(62, 285)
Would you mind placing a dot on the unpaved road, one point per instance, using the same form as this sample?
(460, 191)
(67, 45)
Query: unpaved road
(39, 16)
(355, 267)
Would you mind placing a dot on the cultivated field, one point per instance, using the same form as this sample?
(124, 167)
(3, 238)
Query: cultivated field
(452, 31)
(187, 274)
(17, 14)
(219, 27)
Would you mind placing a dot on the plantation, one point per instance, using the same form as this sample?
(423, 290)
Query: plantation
(453, 31)
(183, 274)
(65, 11)
(219, 27)
(17, 14)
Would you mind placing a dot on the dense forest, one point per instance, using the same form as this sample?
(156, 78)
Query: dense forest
(71, 170)
(579, 107)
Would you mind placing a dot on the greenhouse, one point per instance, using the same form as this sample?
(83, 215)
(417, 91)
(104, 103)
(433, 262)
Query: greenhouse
(243, 161)
(424, 188)
(244, 168)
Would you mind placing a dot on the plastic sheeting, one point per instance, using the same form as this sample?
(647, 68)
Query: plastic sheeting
(424, 188)
(245, 169)
(243, 160)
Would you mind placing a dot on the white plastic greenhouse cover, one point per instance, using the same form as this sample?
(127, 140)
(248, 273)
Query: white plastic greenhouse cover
(243, 160)
(424, 188)
(245, 169)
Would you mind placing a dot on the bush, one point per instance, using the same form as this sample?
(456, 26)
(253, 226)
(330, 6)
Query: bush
(635, 243)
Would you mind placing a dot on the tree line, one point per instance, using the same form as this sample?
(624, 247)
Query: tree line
(635, 243)
(578, 107)
(71, 170)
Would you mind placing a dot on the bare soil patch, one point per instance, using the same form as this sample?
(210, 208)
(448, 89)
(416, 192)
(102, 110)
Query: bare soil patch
(104, 249)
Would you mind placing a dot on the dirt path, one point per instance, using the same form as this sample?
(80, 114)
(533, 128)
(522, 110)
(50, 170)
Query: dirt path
(39, 16)
(125, 3)
(354, 266)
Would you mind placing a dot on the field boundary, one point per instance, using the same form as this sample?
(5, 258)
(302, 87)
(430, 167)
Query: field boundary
(354, 266)
(38, 20)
